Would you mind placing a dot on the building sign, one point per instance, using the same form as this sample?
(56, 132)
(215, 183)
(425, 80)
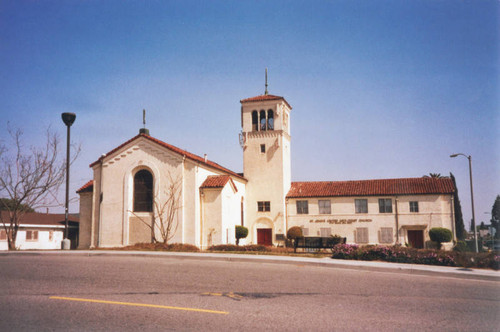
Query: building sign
(338, 221)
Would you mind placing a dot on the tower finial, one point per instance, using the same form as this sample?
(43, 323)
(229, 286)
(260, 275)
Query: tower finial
(266, 83)
(144, 130)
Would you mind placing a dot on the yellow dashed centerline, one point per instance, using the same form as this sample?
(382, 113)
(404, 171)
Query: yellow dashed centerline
(138, 305)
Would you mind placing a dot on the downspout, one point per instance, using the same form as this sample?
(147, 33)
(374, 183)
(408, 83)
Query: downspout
(453, 218)
(183, 201)
(99, 239)
(202, 195)
(397, 219)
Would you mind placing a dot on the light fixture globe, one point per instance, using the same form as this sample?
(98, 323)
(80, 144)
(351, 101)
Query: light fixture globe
(68, 118)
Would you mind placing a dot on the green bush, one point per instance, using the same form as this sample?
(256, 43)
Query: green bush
(241, 232)
(461, 246)
(294, 233)
(440, 235)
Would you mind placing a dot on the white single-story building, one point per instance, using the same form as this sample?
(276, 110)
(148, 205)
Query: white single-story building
(40, 231)
(120, 205)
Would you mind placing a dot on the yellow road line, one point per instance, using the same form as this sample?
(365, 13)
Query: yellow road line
(138, 304)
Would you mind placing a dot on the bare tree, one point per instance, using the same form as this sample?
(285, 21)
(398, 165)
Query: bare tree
(165, 211)
(28, 178)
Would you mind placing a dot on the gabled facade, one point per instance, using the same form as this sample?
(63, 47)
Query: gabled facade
(116, 207)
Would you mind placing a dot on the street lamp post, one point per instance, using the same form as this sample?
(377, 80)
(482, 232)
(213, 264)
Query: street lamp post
(68, 119)
(471, 195)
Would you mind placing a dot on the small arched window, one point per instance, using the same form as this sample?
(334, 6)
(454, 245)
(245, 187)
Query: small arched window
(255, 121)
(270, 120)
(143, 191)
(262, 120)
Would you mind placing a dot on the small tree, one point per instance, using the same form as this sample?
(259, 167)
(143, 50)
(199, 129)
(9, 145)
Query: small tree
(29, 179)
(495, 217)
(294, 234)
(165, 210)
(440, 235)
(459, 221)
(241, 232)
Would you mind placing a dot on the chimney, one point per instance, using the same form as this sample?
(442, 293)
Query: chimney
(205, 158)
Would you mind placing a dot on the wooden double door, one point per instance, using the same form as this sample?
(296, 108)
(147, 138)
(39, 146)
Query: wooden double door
(416, 238)
(265, 236)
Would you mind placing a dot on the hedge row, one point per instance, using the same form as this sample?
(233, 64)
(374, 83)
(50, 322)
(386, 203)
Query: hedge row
(400, 254)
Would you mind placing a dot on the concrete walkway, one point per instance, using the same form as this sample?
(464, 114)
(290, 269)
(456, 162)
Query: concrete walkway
(440, 271)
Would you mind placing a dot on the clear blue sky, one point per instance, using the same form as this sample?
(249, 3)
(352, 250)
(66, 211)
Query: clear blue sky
(379, 89)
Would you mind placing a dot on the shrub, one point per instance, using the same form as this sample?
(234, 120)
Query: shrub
(440, 235)
(294, 233)
(461, 246)
(241, 232)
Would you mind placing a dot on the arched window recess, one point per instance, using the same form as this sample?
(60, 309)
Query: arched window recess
(143, 191)
(270, 120)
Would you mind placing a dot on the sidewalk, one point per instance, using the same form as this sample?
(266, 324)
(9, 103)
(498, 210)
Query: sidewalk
(440, 271)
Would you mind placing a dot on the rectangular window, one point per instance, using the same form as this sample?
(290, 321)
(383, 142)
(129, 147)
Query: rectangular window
(3, 235)
(325, 231)
(361, 205)
(325, 207)
(264, 206)
(302, 207)
(362, 235)
(262, 148)
(385, 205)
(31, 235)
(305, 231)
(386, 235)
(413, 206)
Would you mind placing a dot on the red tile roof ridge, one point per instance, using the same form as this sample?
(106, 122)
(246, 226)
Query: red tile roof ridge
(86, 187)
(263, 98)
(218, 181)
(175, 149)
(399, 186)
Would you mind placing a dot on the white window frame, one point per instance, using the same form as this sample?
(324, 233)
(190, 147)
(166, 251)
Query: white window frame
(302, 209)
(386, 235)
(358, 207)
(362, 235)
(383, 207)
(413, 206)
(327, 209)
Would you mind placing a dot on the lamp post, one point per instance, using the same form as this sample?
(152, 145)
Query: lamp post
(68, 119)
(471, 195)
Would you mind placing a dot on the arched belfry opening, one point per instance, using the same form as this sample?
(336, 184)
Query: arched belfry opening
(270, 120)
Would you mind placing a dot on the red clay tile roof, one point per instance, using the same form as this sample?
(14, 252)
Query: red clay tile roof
(217, 181)
(87, 187)
(408, 186)
(35, 218)
(188, 155)
(265, 97)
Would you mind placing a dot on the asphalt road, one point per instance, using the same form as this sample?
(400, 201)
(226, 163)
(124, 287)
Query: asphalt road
(109, 293)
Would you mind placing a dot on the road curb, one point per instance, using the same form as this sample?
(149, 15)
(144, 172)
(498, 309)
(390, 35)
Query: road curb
(415, 269)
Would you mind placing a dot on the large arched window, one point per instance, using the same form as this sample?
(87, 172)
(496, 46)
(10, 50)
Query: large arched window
(143, 191)
(255, 121)
(270, 120)
(262, 120)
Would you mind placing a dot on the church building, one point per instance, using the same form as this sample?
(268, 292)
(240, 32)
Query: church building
(145, 181)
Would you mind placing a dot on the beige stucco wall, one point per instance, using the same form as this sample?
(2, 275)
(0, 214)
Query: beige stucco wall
(84, 241)
(434, 211)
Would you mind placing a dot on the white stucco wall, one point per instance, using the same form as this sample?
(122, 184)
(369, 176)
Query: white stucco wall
(43, 241)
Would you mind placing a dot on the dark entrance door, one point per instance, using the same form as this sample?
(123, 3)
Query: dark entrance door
(416, 239)
(265, 236)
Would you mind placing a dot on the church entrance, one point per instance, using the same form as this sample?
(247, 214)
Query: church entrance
(265, 236)
(416, 239)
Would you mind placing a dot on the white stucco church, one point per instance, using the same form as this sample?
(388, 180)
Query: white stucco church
(129, 179)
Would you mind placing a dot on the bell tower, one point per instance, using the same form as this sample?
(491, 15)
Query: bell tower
(265, 139)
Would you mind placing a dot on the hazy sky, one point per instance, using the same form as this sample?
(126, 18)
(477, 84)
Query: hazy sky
(379, 89)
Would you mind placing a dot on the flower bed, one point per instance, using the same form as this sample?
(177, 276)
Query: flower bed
(399, 254)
